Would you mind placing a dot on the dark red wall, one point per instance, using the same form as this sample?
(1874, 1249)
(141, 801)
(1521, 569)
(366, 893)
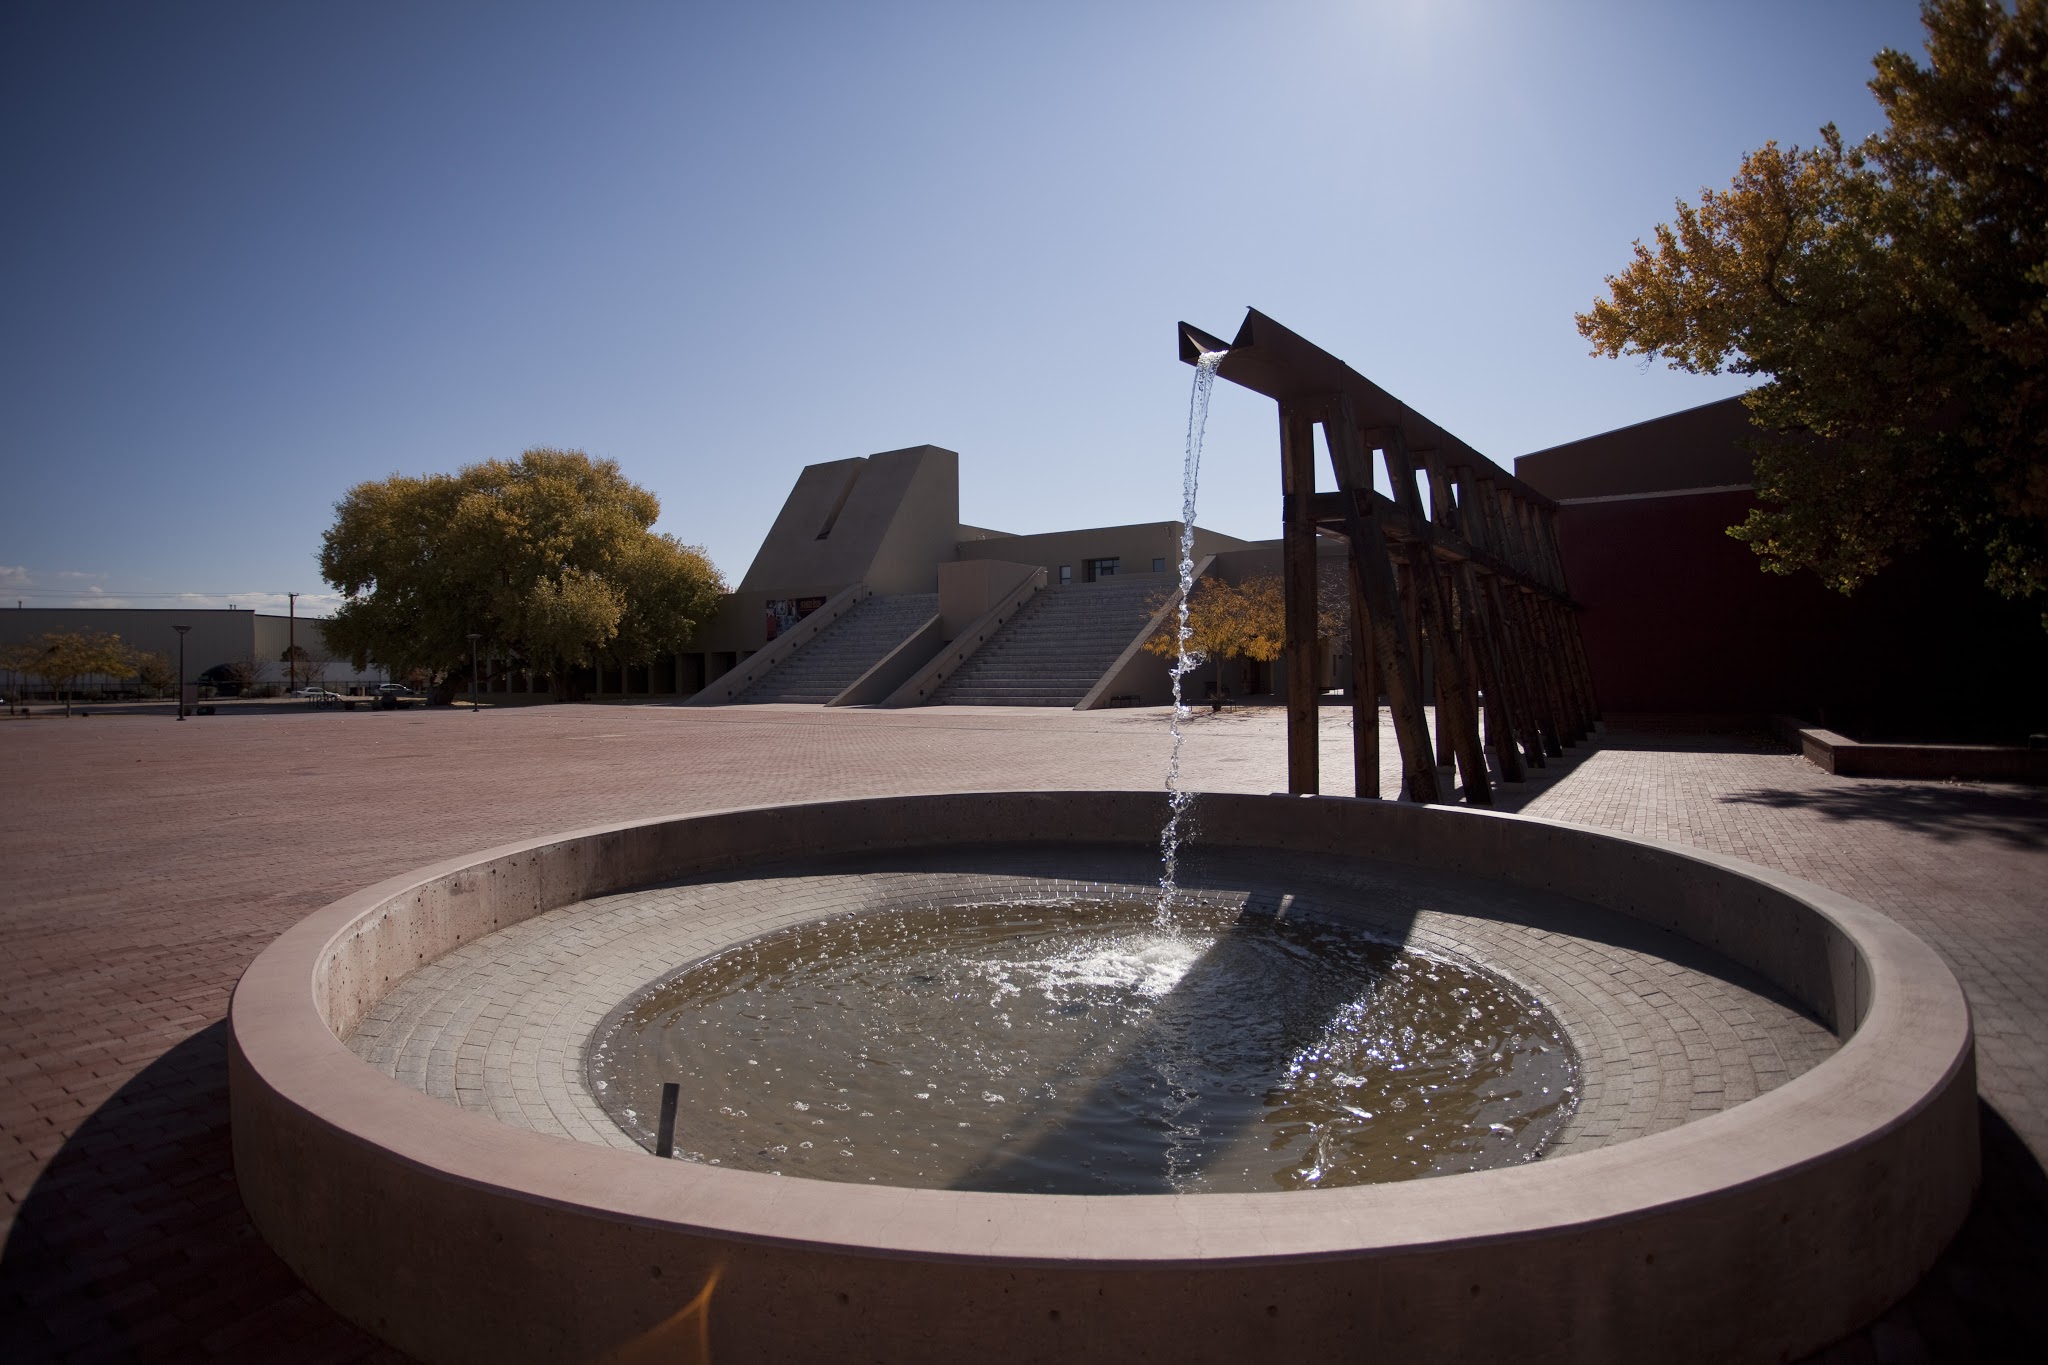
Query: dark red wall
(1679, 617)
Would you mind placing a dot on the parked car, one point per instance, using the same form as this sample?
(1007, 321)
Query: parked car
(317, 694)
(393, 690)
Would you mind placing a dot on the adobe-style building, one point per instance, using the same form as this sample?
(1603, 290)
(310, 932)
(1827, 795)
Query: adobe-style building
(1678, 617)
(869, 589)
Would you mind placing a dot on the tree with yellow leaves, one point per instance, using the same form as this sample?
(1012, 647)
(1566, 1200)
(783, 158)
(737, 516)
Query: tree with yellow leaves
(1893, 294)
(62, 658)
(1248, 620)
(551, 558)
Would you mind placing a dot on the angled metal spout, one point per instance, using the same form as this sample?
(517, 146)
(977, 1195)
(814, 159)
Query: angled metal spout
(1194, 342)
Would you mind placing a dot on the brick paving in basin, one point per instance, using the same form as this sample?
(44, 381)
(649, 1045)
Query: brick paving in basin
(145, 863)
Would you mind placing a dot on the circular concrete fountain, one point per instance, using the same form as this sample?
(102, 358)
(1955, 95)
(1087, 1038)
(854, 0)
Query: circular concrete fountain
(1760, 1230)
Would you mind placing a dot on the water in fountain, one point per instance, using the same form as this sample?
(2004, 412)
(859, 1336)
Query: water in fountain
(1067, 1047)
(1178, 800)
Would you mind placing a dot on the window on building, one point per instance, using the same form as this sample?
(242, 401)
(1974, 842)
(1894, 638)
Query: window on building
(1158, 565)
(1066, 573)
(1101, 568)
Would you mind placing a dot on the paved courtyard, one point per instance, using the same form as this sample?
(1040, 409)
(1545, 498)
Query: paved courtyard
(144, 863)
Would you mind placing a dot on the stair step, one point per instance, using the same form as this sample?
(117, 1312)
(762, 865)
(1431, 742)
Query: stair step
(1051, 652)
(849, 647)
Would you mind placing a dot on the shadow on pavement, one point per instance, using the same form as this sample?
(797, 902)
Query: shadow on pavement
(1939, 811)
(133, 1244)
(1983, 1301)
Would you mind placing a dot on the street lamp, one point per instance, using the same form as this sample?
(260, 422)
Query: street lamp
(181, 669)
(473, 638)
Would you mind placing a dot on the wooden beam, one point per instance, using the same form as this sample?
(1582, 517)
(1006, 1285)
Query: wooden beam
(1526, 608)
(1372, 580)
(1483, 506)
(1456, 712)
(1448, 499)
(1365, 691)
(1298, 586)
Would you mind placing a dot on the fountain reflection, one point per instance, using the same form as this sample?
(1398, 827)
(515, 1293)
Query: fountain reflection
(1075, 1047)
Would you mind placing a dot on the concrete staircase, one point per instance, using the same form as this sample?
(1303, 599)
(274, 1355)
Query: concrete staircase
(1051, 652)
(842, 652)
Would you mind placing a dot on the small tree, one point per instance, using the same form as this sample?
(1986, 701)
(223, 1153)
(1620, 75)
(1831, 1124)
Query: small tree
(61, 659)
(242, 673)
(1245, 620)
(1248, 620)
(154, 670)
(15, 660)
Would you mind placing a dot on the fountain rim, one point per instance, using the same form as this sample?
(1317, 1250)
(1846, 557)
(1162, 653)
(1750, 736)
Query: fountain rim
(1909, 1049)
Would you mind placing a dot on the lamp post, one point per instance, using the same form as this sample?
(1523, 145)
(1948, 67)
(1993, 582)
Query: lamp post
(473, 638)
(181, 669)
(291, 648)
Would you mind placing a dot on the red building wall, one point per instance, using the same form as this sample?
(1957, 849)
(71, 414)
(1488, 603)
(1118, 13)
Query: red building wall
(1679, 617)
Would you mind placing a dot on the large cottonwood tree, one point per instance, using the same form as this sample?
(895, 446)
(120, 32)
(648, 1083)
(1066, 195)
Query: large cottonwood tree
(551, 559)
(1894, 296)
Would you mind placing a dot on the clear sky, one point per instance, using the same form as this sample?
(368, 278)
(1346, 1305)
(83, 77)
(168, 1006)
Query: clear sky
(255, 254)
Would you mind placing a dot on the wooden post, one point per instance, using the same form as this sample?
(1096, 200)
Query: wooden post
(1372, 580)
(1298, 585)
(1454, 690)
(665, 1131)
(1480, 510)
(1453, 499)
(1446, 747)
(1515, 668)
(1365, 689)
(1527, 610)
(1504, 600)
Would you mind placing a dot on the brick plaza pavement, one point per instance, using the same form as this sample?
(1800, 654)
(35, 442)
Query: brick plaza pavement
(143, 863)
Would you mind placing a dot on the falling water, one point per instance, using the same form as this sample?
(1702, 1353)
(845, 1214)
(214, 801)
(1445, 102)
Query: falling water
(1178, 801)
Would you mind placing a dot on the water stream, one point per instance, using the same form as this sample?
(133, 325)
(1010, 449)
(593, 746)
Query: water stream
(1178, 800)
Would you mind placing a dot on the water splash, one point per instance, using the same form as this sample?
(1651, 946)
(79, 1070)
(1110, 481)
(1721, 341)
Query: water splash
(1184, 660)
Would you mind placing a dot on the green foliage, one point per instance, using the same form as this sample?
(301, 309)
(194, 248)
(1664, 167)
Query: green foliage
(60, 659)
(155, 671)
(550, 558)
(1895, 296)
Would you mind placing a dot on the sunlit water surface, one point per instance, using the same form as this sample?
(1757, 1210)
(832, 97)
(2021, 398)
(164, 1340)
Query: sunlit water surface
(1083, 1049)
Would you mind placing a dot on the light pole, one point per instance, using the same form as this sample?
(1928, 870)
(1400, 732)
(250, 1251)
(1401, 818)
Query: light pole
(181, 669)
(291, 649)
(473, 638)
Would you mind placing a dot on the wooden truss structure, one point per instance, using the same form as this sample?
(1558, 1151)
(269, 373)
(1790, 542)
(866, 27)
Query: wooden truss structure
(1454, 580)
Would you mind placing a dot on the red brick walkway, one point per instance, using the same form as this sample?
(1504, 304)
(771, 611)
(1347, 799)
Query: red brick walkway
(145, 862)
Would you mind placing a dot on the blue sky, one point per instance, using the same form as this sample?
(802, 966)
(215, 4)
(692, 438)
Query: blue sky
(255, 254)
